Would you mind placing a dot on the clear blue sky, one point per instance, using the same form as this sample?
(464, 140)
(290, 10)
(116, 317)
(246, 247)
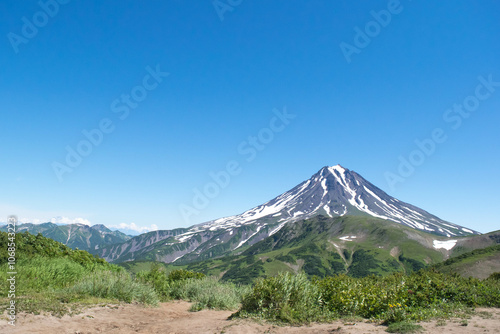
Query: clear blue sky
(226, 76)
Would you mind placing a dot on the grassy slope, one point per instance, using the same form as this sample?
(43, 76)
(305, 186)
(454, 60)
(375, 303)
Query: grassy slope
(29, 246)
(480, 263)
(468, 244)
(55, 278)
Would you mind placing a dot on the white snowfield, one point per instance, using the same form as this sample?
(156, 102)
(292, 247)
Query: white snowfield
(446, 244)
(348, 238)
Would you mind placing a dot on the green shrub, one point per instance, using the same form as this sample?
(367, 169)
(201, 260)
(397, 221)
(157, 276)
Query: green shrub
(286, 297)
(495, 276)
(55, 278)
(398, 297)
(347, 296)
(158, 279)
(181, 274)
(164, 283)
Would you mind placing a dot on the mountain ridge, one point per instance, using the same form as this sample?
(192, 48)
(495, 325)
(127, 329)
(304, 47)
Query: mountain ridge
(332, 191)
(79, 236)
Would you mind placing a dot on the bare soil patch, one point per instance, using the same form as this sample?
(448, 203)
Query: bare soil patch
(174, 317)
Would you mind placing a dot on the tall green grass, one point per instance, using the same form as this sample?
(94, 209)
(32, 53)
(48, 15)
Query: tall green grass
(115, 285)
(395, 298)
(209, 292)
(42, 281)
(42, 273)
(205, 292)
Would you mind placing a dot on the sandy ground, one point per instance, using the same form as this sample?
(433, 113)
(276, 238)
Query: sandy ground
(174, 317)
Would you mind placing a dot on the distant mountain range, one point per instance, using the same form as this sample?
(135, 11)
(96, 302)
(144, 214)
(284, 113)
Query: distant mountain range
(331, 192)
(80, 236)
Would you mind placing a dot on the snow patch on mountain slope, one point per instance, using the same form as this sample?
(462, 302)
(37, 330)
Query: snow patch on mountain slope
(348, 238)
(186, 236)
(327, 209)
(242, 242)
(447, 244)
(325, 189)
(375, 196)
(298, 213)
(278, 228)
(177, 258)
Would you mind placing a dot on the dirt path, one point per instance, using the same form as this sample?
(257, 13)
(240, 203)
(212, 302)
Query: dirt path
(174, 317)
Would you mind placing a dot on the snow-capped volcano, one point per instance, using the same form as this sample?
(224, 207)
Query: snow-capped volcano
(337, 191)
(333, 191)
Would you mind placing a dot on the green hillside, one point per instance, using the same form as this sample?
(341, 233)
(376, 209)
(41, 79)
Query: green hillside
(50, 276)
(470, 243)
(29, 246)
(480, 263)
